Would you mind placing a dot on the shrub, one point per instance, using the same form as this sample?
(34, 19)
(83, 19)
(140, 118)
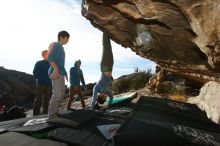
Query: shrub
(133, 81)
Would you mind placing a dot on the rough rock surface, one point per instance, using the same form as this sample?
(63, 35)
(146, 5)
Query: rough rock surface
(209, 101)
(182, 36)
(16, 87)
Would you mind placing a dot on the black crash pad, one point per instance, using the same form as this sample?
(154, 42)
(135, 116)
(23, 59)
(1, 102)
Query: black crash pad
(142, 132)
(34, 128)
(18, 139)
(75, 119)
(2, 130)
(173, 111)
(76, 137)
(171, 105)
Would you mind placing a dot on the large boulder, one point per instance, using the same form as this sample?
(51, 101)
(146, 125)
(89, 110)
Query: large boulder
(16, 87)
(209, 101)
(181, 36)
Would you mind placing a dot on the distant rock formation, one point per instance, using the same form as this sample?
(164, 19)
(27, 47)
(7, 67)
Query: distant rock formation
(16, 87)
(134, 81)
(181, 36)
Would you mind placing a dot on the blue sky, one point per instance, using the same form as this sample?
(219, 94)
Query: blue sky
(29, 26)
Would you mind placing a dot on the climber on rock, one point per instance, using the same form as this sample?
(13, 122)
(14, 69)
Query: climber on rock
(102, 89)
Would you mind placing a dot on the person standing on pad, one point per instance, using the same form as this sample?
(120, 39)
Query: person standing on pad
(76, 76)
(102, 88)
(43, 85)
(57, 72)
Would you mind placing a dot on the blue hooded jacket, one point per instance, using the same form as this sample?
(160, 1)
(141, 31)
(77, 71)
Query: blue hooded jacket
(76, 76)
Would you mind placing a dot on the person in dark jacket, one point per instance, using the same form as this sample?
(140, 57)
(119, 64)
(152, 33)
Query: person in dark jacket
(76, 76)
(43, 85)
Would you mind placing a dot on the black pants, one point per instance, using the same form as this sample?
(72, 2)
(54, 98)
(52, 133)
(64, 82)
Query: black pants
(43, 93)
